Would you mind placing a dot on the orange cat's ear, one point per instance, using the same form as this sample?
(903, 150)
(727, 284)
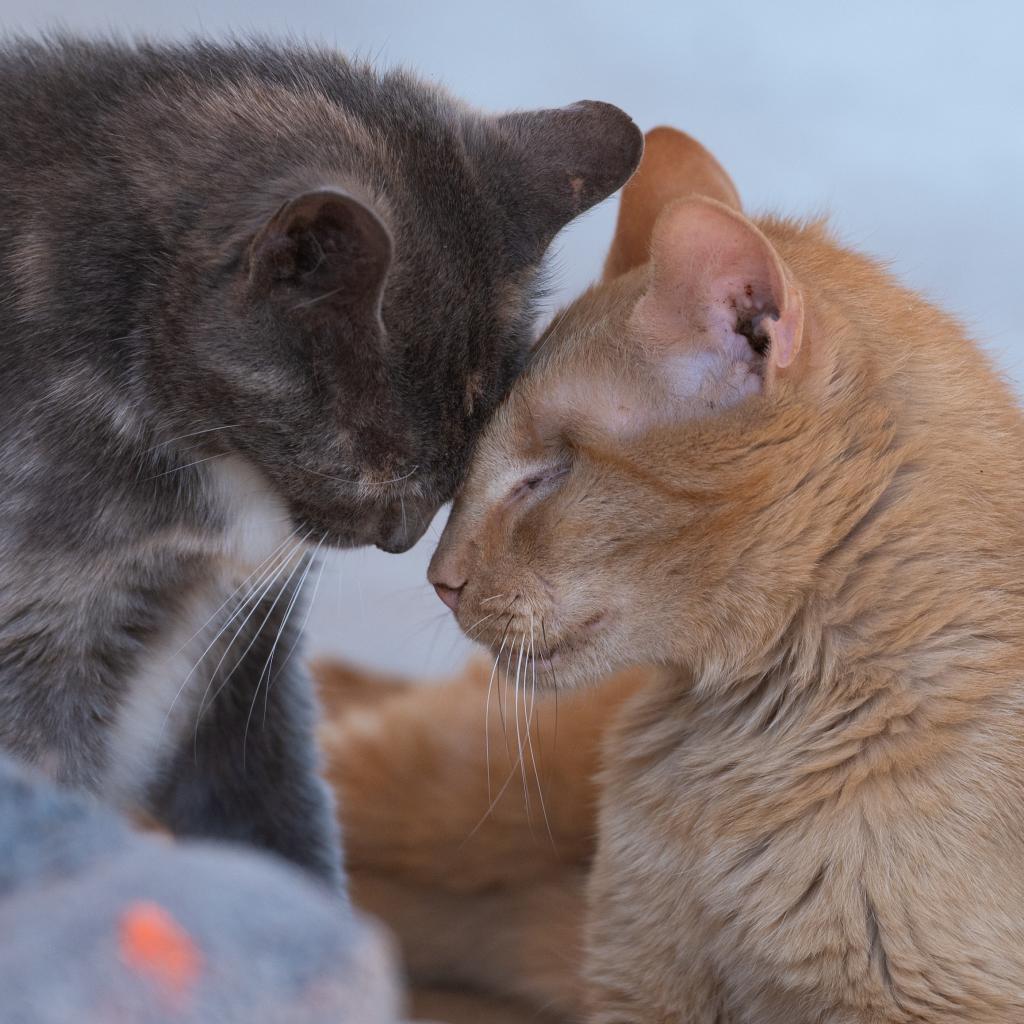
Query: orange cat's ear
(673, 166)
(722, 314)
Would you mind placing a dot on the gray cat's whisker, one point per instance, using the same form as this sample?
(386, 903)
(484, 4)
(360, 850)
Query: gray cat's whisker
(207, 430)
(230, 597)
(551, 330)
(259, 629)
(309, 605)
(302, 629)
(493, 597)
(317, 299)
(268, 666)
(267, 669)
(223, 604)
(181, 469)
(259, 570)
(357, 483)
(204, 704)
(263, 588)
(254, 595)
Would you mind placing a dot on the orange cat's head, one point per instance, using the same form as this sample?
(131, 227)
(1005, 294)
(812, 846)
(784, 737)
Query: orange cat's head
(701, 440)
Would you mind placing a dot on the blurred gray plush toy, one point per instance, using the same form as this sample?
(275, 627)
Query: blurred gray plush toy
(101, 924)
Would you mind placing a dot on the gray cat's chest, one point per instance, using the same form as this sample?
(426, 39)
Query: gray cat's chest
(161, 696)
(198, 648)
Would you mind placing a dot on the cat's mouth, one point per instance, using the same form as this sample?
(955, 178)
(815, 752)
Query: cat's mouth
(548, 656)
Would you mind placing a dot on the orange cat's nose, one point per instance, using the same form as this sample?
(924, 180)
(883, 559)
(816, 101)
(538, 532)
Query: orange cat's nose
(450, 595)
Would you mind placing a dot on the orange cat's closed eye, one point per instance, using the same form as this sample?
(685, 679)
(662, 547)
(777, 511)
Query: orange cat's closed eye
(539, 481)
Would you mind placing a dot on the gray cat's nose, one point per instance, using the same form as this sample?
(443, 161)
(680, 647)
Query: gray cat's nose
(401, 532)
(395, 546)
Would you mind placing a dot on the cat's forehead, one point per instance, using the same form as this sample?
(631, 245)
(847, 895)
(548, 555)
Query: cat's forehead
(589, 350)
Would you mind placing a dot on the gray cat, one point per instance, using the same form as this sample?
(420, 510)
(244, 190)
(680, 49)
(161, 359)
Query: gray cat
(254, 302)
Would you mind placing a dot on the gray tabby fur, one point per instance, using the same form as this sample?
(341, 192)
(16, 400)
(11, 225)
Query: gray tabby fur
(254, 302)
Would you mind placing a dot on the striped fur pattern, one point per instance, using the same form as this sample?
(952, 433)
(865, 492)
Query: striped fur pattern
(255, 301)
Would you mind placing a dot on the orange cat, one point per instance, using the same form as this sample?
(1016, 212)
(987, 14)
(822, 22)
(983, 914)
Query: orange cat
(761, 462)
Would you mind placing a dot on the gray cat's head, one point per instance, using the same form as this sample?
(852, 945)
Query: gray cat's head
(364, 315)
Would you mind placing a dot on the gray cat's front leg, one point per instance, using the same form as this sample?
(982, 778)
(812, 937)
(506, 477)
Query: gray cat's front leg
(250, 771)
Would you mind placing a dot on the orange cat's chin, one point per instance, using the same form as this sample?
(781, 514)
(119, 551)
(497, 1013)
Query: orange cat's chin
(574, 657)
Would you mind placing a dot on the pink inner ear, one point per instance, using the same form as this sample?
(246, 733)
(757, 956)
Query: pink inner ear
(757, 309)
(720, 298)
(786, 332)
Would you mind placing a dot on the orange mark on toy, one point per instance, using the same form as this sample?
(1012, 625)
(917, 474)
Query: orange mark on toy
(154, 944)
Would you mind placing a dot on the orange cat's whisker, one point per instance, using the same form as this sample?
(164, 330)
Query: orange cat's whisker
(554, 683)
(479, 622)
(519, 737)
(503, 699)
(487, 711)
(494, 803)
(497, 660)
(532, 664)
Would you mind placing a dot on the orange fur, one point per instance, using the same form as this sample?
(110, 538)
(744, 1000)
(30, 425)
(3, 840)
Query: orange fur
(764, 464)
(484, 901)
(421, 752)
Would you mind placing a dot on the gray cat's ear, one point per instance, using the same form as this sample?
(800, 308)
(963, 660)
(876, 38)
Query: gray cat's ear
(323, 248)
(565, 161)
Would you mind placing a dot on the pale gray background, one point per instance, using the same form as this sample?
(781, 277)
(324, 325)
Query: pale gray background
(904, 121)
